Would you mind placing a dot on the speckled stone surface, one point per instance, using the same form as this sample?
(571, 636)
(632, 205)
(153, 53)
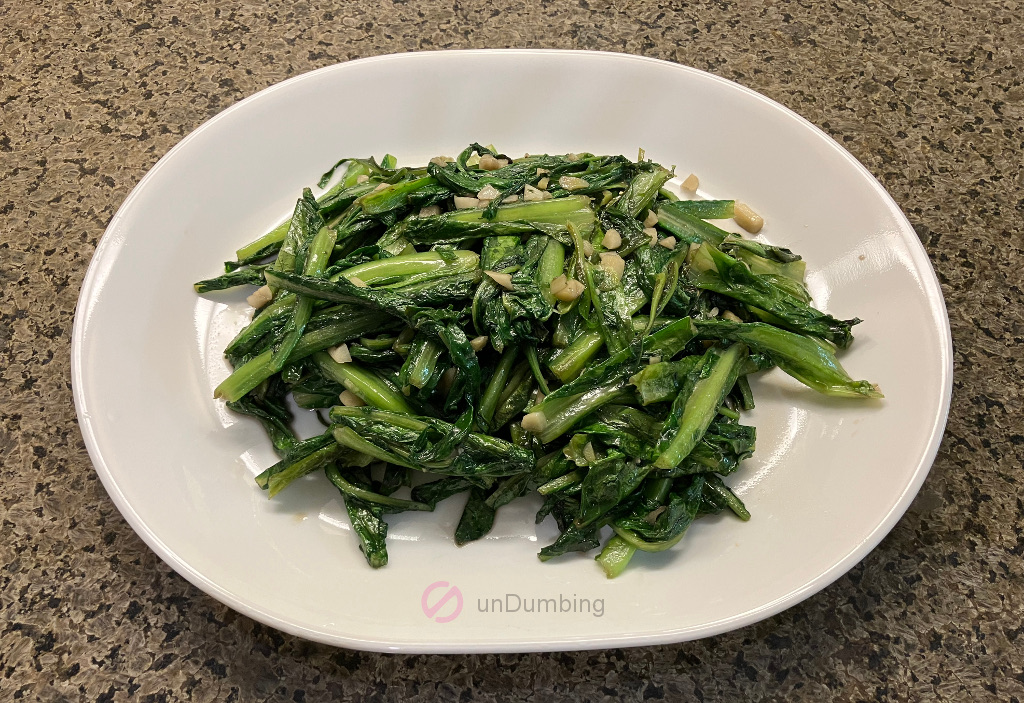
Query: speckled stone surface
(928, 95)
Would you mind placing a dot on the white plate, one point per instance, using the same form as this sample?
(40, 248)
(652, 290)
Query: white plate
(829, 479)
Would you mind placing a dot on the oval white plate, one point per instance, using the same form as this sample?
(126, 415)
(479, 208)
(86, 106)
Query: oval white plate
(829, 479)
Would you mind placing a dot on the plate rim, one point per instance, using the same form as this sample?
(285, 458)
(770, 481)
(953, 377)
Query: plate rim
(105, 256)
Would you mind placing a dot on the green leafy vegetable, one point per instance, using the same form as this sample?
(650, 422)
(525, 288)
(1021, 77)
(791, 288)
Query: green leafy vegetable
(475, 328)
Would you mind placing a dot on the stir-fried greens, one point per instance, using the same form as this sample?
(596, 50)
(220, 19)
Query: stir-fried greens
(554, 324)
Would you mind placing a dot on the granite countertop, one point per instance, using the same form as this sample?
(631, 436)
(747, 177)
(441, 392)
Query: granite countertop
(927, 95)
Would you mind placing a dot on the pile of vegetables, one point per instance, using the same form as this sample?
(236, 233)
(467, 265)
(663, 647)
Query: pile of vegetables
(554, 324)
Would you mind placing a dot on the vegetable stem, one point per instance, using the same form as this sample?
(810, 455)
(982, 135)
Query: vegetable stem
(335, 477)
(370, 387)
(615, 556)
(701, 406)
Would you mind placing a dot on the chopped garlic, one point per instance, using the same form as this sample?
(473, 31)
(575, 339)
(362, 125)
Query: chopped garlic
(502, 279)
(651, 219)
(430, 211)
(543, 183)
(350, 399)
(478, 343)
(260, 297)
(558, 284)
(612, 239)
(747, 219)
(729, 315)
(531, 194)
(692, 183)
(613, 263)
(573, 289)
(588, 248)
(362, 178)
(490, 163)
(488, 192)
(668, 242)
(535, 422)
(358, 282)
(652, 235)
(340, 354)
(572, 183)
(465, 203)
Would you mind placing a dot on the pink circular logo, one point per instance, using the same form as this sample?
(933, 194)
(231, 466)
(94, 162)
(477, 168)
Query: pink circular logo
(432, 610)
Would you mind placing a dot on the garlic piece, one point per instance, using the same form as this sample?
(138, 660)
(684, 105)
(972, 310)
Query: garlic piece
(490, 163)
(573, 289)
(531, 194)
(535, 422)
(340, 354)
(747, 219)
(260, 297)
(488, 192)
(612, 239)
(613, 263)
(572, 183)
(350, 399)
(502, 279)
